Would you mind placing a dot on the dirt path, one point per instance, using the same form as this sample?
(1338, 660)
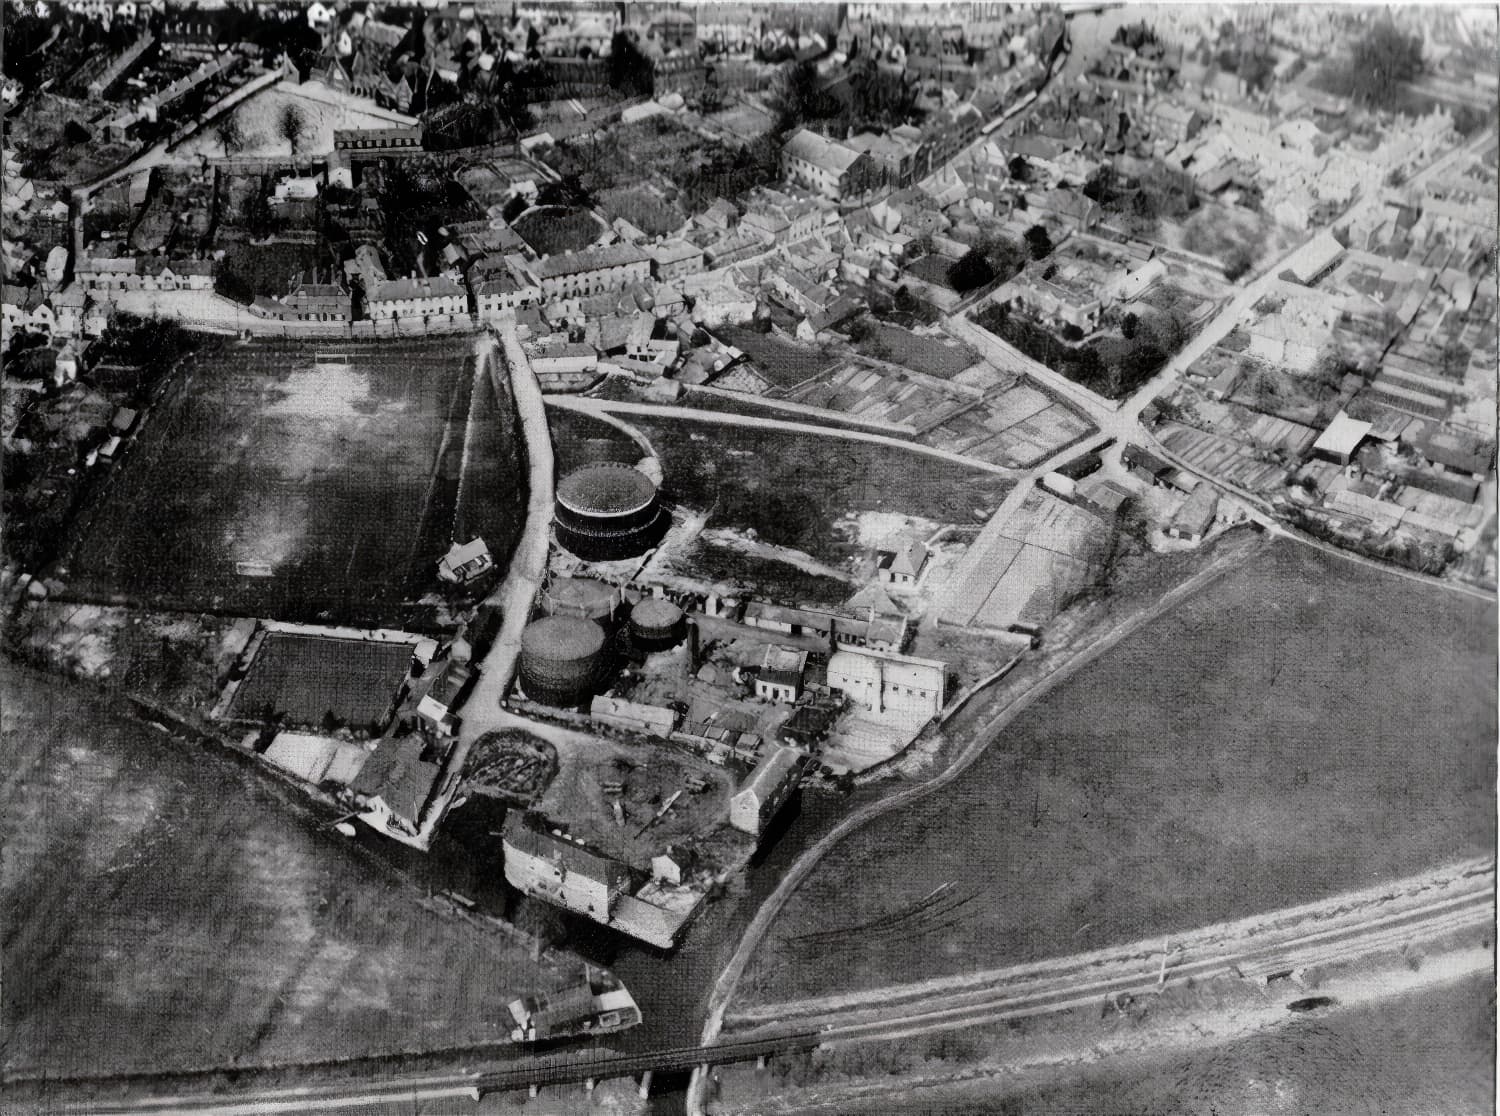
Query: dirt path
(598, 407)
(514, 597)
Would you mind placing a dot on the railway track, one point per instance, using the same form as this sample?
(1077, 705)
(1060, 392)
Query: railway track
(1088, 983)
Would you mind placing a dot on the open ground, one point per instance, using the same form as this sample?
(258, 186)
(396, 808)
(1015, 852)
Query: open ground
(1294, 728)
(793, 489)
(168, 909)
(303, 481)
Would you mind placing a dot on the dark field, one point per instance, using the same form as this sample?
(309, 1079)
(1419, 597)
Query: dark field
(793, 488)
(306, 482)
(309, 678)
(1300, 727)
(165, 909)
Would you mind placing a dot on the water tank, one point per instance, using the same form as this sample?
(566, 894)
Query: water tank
(561, 658)
(580, 596)
(607, 511)
(655, 624)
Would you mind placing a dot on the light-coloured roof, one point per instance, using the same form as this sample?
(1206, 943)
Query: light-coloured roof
(773, 769)
(861, 668)
(820, 151)
(1342, 436)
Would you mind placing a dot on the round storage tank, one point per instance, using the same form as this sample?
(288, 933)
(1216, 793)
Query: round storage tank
(580, 596)
(560, 659)
(608, 510)
(655, 624)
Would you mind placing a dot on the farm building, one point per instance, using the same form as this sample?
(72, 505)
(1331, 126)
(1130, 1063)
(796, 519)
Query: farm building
(560, 870)
(445, 696)
(780, 677)
(1342, 438)
(465, 561)
(396, 783)
(1196, 515)
(766, 790)
(903, 565)
(883, 682)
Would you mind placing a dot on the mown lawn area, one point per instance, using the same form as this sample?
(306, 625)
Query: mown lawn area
(1300, 727)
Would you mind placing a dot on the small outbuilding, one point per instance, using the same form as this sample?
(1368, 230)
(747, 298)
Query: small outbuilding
(1342, 439)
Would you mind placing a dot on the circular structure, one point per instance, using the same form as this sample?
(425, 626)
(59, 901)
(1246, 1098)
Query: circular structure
(608, 510)
(561, 658)
(655, 624)
(580, 596)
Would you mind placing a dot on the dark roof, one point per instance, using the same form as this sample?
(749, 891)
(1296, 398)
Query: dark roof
(1470, 455)
(1136, 457)
(522, 834)
(606, 488)
(562, 638)
(397, 774)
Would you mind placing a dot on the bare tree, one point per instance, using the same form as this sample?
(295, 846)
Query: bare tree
(291, 125)
(230, 133)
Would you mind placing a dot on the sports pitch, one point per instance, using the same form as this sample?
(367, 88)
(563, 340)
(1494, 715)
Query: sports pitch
(314, 481)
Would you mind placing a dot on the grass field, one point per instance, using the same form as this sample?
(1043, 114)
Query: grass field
(579, 440)
(913, 350)
(301, 481)
(1300, 727)
(791, 489)
(309, 678)
(165, 909)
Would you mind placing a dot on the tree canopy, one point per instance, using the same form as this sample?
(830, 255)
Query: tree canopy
(630, 71)
(1038, 242)
(1381, 62)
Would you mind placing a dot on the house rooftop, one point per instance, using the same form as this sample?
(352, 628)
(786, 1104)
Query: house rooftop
(589, 259)
(820, 151)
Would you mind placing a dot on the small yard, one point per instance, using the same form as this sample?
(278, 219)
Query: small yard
(785, 363)
(555, 229)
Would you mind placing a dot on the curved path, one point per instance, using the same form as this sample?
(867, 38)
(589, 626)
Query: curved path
(808, 861)
(599, 407)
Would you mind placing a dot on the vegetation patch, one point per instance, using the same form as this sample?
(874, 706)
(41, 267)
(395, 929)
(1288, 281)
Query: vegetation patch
(553, 230)
(1112, 364)
(792, 489)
